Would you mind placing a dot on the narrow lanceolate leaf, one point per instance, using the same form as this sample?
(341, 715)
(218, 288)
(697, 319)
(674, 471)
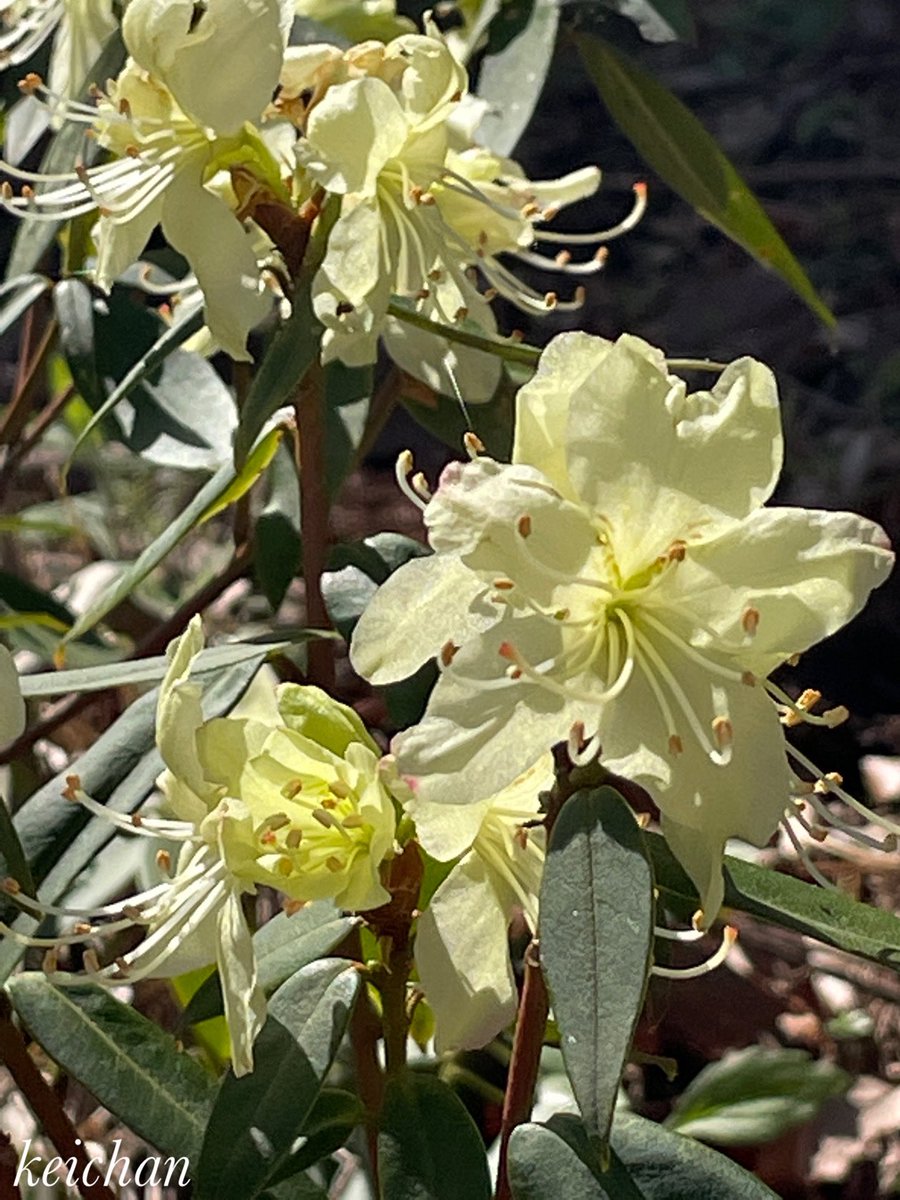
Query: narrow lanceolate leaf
(131, 1066)
(143, 670)
(282, 947)
(597, 919)
(830, 916)
(674, 143)
(428, 1145)
(257, 1119)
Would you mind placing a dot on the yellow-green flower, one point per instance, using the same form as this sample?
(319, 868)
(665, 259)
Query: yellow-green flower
(621, 576)
(295, 802)
(180, 111)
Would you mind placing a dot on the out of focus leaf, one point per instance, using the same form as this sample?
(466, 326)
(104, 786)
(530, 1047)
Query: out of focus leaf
(674, 143)
(131, 1066)
(754, 1095)
(511, 81)
(277, 534)
(17, 296)
(428, 1146)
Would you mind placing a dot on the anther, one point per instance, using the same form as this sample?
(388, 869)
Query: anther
(750, 621)
(473, 444)
(448, 653)
(723, 732)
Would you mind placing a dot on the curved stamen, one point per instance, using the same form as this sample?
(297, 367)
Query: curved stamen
(803, 854)
(832, 785)
(603, 235)
(729, 937)
(402, 470)
(720, 756)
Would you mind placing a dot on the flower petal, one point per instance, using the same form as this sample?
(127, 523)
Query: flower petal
(351, 134)
(221, 61)
(245, 1003)
(805, 572)
(398, 631)
(221, 255)
(463, 960)
(700, 852)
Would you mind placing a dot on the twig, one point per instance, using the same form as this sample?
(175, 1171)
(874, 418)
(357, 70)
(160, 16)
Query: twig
(45, 1104)
(16, 414)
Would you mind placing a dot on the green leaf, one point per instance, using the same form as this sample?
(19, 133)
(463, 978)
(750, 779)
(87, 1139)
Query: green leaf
(597, 921)
(276, 540)
(17, 296)
(563, 1161)
(830, 916)
(222, 489)
(281, 947)
(143, 670)
(656, 20)
(131, 1066)
(257, 1119)
(334, 1117)
(511, 81)
(119, 770)
(674, 143)
(428, 1145)
(754, 1095)
(167, 405)
(667, 1166)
